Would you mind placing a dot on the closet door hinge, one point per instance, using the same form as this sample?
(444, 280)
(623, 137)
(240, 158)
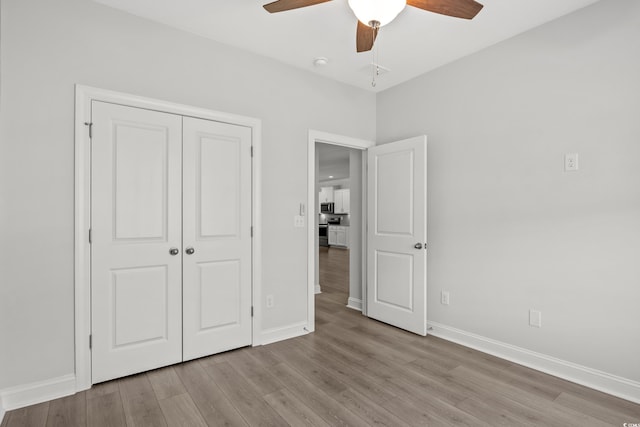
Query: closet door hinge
(90, 128)
(251, 311)
(90, 341)
(252, 151)
(252, 231)
(89, 236)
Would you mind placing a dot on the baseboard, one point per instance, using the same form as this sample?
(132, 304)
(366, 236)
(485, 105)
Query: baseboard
(279, 334)
(318, 290)
(592, 378)
(38, 392)
(354, 304)
(2, 410)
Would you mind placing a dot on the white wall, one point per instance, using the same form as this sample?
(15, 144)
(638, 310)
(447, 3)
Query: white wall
(46, 48)
(509, 230)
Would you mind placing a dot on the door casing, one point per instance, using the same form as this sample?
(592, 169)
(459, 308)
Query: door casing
(82, 210)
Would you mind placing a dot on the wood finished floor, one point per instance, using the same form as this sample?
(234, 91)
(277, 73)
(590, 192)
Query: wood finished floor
(334, 272)
(352, 371)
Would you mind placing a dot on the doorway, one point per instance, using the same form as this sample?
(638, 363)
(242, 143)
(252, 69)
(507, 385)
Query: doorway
(393, 230)
(339, 187)
(348, 256)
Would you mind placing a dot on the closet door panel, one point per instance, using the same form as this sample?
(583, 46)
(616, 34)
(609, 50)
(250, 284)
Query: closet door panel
(219, 181)
(220, 306)
(216, 237)
(136, 286)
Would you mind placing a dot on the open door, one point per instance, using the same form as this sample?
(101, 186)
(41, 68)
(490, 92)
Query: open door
(397, 234)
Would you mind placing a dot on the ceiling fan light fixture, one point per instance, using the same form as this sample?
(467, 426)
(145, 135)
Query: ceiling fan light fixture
(382, 11)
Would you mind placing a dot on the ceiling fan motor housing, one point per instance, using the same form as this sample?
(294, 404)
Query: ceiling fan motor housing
(376, 11)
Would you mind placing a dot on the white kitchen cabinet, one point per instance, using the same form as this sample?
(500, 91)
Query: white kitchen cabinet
(332, 236)
(342, 237)
(341, 199)
(326, 195)
(338, 235)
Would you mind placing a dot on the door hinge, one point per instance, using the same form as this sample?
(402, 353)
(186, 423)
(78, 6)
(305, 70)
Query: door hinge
(90, 128)
(251, 311)
(252, 231)
(252, 151)
(90, 341)
(89, 236)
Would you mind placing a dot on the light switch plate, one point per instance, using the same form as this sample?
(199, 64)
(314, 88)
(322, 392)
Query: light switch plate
(298, 221)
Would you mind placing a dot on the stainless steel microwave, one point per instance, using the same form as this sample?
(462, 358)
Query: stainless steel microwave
(326, 208)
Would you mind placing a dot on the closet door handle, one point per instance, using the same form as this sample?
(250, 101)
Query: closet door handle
(190, 251)
(174, 251)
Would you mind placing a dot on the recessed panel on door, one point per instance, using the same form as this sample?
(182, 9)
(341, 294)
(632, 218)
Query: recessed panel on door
(136, 286)
(140, 181)
(135, 291)
(219, 178)
(216, 236)
(220, 294)
(394, 280)
(395, 215)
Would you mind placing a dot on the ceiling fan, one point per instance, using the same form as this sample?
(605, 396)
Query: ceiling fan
(373, 14)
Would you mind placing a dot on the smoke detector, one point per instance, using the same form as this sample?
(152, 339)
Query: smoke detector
(320, 61)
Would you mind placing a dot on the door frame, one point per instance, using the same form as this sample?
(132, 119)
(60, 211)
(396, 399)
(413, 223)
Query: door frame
(312, 199)
(84, 95)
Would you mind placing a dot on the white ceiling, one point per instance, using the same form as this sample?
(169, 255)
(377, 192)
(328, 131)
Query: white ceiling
(333, 162)
(416, 42)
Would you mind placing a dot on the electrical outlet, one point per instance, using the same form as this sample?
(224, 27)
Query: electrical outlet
(571, 162)
(535, 318)
(444, 297)
(298, 221)
(269, 301)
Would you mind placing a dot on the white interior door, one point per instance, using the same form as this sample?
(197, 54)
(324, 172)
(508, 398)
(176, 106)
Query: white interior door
(397, 234)
(216, 237)
(136, 291)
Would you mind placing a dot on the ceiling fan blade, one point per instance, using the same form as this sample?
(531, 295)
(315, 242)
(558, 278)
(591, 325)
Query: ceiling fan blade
(365, 36)
(282, 5)
(466, 9)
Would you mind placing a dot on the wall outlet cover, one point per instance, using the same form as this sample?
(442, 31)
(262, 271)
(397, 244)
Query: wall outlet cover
(535, 318)
(444, 297)
(571, 162)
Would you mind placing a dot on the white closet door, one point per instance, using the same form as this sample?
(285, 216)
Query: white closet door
(135, 222)
(216, 237)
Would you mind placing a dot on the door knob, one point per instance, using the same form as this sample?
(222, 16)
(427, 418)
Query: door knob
(418, 246)
(190, 251)
(174, 251)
